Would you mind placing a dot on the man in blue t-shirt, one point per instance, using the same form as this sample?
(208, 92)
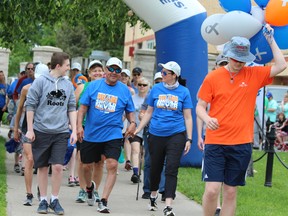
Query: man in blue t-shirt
(104, 102)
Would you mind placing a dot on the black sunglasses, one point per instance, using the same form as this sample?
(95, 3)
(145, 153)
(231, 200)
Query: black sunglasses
(117, 70)
(30, 68)
(141, 84)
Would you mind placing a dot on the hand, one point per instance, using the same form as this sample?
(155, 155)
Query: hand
(200, 144)
(17, 134)
(80, 133)
(212, 124)
(30, 135)
(73, 138)
(187, 147)
(268, 33)
(130, 132)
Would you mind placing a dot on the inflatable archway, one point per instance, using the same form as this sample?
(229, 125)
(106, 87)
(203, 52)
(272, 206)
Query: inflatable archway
(177, 26)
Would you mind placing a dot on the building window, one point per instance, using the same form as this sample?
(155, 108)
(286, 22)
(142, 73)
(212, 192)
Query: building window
(151, 44)
(139, 45)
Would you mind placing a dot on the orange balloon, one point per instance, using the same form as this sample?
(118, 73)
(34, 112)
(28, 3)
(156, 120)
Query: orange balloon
(277, 12)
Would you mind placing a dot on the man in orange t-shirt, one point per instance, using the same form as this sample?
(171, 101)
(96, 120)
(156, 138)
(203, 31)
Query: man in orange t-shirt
(231, 92)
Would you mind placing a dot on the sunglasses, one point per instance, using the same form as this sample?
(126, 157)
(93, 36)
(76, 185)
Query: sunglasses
(117, 70)
(136, 74)
(165, 73)
(30, 68)
(236, 61)
(141, 84)
(157, 82)
(223, 64)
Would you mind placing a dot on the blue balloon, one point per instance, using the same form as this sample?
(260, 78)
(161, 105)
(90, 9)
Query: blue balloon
(261, 3)
(281, 36)
(242, 5)
(260, 48)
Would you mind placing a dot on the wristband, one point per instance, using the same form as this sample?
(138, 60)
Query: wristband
(190, 140)
(134, 123)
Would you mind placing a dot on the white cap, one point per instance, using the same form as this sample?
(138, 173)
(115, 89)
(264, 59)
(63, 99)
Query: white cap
(77, 66)
(127, 72)
(94, 62)
(158, 75)
(41, 69)
(114, 61)
(172, 66)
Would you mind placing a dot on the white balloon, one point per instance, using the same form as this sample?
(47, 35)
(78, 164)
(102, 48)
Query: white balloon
(258, 13)
(210, 30)
(238, 23)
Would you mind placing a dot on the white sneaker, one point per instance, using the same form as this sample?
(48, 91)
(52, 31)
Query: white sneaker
(91, 199)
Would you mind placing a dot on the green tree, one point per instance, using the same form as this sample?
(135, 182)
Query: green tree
(73, 40)
(104, 21)
(39, 22)
(21, 52)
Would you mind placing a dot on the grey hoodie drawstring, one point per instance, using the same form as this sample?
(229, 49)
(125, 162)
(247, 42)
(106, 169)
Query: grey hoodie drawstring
(56, 84)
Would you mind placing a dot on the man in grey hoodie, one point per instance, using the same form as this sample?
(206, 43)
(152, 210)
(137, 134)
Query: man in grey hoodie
(50, 107)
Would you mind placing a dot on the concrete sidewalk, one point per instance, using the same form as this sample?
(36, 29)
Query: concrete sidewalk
(122, 201)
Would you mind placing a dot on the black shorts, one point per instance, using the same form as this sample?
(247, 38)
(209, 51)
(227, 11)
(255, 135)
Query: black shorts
(91, 151)
(135, 139)
(49, 148)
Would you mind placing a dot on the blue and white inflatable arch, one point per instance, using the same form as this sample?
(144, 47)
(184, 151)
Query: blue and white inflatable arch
(177, 26)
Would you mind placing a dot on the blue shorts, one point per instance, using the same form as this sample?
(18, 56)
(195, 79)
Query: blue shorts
(226, 163)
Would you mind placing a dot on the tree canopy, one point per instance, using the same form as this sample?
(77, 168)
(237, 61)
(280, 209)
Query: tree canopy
(103, 21)
(73, 25)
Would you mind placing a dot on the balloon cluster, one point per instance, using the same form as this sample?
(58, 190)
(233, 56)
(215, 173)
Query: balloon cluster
(243, 19)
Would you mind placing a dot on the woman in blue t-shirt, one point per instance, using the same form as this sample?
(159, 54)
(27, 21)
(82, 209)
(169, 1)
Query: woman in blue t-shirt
(170, 131)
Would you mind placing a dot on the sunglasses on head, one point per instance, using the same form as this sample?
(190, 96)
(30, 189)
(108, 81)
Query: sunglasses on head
(141, 84)
(117, 70)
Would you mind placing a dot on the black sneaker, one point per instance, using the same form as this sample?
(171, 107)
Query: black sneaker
(152, 205)
(56, 207)
(17, 168)
(217, 212)
(146, 195)
(135, 178)
(28, 201)
(102, 206)
(43, 207)
(22, 171)
(168, 211)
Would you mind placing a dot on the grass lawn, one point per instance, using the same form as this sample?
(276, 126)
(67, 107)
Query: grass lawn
(3, 185)
(254, 198)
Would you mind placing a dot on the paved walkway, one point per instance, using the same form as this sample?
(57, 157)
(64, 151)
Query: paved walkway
(122, 201)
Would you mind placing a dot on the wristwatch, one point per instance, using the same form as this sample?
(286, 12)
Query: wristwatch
(134, 123)
(190, 140)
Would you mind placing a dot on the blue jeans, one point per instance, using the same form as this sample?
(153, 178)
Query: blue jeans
(146, 185)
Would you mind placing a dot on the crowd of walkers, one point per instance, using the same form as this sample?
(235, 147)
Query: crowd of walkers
(90, 119)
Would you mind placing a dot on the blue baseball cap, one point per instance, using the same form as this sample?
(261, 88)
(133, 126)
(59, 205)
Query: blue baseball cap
(269, 94)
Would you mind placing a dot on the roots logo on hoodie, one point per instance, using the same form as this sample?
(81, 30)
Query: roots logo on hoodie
(56, 98)
(106, 103)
